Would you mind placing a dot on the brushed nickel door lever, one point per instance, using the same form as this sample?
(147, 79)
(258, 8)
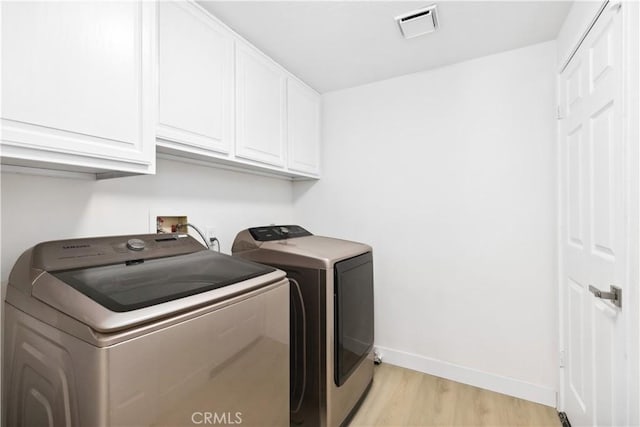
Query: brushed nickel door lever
(614, 294)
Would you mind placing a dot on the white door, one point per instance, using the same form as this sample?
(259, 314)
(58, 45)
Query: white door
(594, 228)
(195, 80)
(260, 107)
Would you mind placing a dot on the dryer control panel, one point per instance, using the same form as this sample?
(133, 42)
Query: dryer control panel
(277, 232)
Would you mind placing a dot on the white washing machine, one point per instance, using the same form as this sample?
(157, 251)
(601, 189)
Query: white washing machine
(147, 330)
(331, 318)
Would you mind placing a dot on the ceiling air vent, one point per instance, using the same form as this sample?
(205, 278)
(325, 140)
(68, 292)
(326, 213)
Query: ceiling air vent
(418, 22)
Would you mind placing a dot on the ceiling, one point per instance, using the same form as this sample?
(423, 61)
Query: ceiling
(333, 45)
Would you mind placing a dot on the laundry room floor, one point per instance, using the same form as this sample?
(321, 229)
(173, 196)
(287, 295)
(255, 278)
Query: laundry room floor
(402, 397)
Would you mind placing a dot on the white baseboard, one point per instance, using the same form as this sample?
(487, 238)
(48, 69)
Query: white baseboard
(509, 386)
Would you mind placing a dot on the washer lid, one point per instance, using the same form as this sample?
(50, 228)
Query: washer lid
(116, 282)
(131, 286)
(191, 287)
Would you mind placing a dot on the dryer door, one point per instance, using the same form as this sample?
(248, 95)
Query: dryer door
(353, 302)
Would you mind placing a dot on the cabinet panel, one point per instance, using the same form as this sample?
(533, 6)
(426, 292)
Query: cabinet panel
(195, 78)
(303, 128)
(260, 100)
(78, 84)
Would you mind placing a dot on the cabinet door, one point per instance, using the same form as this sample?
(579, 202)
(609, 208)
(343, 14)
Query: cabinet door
(303, 128)
(260, 100)
(78, 84)
(195, 79)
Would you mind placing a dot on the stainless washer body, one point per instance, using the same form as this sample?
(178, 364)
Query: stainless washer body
(320, 396)
(144, 330)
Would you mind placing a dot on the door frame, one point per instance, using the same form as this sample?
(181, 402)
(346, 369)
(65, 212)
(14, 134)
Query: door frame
(631, 89)
(630, 11)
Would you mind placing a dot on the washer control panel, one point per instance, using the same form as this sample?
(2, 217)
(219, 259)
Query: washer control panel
(277, 232)
(92, 252)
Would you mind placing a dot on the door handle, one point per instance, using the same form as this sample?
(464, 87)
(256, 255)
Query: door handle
(614, 294)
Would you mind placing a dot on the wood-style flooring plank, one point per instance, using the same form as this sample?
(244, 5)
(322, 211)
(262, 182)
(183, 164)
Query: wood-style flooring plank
(401, 397)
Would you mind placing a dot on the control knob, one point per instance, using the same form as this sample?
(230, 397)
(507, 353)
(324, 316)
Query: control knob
(135, 244)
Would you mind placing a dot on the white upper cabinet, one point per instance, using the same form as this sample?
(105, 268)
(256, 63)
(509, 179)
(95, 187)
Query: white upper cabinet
(260, 107)
(78, 85)
(303, 128)
(195, 80)
(96, 86)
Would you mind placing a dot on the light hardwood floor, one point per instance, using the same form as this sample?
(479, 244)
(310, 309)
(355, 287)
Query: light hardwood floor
(402, 397)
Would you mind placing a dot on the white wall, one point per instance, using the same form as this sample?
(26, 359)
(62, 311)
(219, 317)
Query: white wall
(36, 208)
(449, 174)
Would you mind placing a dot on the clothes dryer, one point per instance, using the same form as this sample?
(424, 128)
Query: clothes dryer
(331, 318)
